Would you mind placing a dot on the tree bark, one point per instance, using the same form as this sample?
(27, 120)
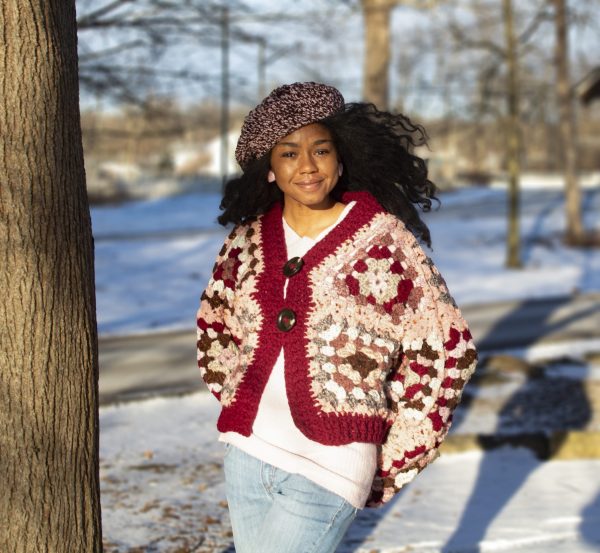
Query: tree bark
(513, 139)
(376, 15)
(568, 127)
(49, 364)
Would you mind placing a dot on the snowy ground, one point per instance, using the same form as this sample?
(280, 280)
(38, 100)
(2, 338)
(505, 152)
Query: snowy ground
(161, 466)
(162, 483)
(153, 258)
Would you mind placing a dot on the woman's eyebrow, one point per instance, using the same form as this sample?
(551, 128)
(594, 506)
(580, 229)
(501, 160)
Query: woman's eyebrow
(296, 145)
(292, 144)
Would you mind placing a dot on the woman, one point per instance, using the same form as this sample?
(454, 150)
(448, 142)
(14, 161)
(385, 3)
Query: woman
(326, 333)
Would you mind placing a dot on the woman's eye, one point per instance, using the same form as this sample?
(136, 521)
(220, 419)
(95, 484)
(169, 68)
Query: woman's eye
(288, 154)
(322, 152)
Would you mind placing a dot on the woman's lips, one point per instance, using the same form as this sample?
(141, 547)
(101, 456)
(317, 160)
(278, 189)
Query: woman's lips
(309, 183)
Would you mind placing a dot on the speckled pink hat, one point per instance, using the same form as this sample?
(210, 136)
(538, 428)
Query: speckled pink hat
(285, 110)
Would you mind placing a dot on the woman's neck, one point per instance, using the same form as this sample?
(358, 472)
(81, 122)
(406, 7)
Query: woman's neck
(305, 221)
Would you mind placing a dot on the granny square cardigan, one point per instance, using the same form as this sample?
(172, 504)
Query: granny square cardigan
(375, 348)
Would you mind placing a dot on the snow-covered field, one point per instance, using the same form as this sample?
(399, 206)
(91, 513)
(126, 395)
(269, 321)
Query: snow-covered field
(154, 258)
(161, 466)
(163, 491)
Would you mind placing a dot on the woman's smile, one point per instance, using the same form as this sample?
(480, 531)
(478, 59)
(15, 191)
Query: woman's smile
(309, 185)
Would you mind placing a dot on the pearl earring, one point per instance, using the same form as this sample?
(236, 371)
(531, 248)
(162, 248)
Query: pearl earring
(271, 176)
(340, 169)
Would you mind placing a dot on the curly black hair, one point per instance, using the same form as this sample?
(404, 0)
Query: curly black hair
(375, 148)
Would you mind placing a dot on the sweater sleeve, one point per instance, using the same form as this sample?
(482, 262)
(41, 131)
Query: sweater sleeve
(436, 359)
(217, 350)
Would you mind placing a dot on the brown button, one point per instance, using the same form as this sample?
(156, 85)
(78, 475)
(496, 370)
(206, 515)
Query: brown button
(293, 266)
(286, 320)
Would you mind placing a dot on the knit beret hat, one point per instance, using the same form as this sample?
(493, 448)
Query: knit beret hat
(282, 112)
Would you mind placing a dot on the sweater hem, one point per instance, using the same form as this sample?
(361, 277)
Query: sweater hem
(332, 429)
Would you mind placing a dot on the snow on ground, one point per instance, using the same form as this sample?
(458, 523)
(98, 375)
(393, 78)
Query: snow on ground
(154, 258)
(177, 213)
(162, 491)
(534, 398)
(469, 247)
(161, 464)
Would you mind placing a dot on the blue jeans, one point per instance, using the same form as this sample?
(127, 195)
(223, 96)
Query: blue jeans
(274, 511)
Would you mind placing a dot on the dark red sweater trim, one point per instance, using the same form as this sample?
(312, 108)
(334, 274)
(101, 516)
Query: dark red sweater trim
(325, 428)
(240, 415)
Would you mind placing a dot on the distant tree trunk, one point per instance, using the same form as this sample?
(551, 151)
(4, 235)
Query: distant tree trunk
(568, 127)
(376, 16)
(49, 500)
(513, 140)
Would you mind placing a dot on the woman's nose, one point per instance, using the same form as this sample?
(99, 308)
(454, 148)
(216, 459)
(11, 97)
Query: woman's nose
(307, 163)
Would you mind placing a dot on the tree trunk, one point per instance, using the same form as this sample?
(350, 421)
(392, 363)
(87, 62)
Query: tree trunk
(568, 128)
(49, 364)
(513, 140)
(376, 15)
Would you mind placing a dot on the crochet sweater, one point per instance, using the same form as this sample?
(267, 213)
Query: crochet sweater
(375, 348)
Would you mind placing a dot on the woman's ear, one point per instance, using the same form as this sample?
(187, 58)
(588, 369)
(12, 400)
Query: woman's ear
(271, 176)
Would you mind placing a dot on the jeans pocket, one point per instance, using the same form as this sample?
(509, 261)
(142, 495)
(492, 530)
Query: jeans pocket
(228, 448)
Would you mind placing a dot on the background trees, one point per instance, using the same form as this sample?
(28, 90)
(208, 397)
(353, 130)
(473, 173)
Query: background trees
(444, 62)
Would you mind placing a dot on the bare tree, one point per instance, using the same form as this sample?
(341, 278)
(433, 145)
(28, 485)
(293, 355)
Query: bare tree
(567, 127)
(513, 139)
(504, 93)
(532, 89)
(376, 66)
(49, 363)
(122, 40)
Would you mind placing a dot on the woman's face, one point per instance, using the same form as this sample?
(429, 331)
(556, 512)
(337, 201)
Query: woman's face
(305, 164)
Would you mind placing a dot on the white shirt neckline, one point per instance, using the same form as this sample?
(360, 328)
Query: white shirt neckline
(292, 235)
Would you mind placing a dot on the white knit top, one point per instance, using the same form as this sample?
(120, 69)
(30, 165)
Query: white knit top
(346, 470)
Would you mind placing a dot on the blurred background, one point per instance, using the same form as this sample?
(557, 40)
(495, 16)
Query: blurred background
(164, 83)
(509, 93)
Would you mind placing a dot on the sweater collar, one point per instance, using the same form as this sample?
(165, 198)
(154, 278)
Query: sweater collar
(273, 237)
